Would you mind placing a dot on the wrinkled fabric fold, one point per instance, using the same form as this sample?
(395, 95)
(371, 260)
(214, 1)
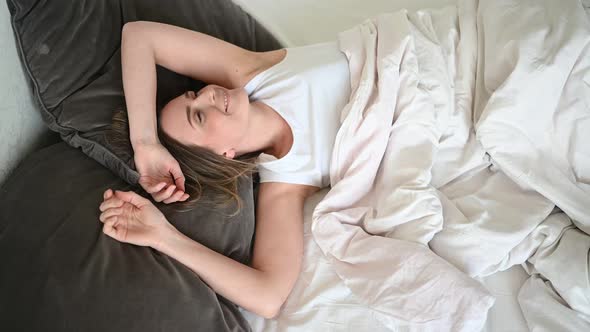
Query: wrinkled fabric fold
(376, 221)
(462, 134)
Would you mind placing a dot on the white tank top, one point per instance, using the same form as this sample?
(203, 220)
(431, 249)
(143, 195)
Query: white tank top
(308, 88)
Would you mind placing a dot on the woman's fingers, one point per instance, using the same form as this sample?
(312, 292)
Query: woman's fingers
(112, 202)
(159, 194)
(111, 221)
(175, 197)
(107, 194)
(178, 176)
(108, 225)
(133, 198)
(159, 186)
(110, 213)
(109, 228)
(164, 194)
(181, 197)
(151, 186)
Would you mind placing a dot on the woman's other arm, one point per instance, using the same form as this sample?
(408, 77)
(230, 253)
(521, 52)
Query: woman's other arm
(138, 68)
(200, 56)
(278, 250)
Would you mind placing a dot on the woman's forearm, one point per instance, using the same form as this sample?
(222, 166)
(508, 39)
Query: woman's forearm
(139, 83)
(249, 288)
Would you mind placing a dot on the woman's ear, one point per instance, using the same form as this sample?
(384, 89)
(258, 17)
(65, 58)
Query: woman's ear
(231, 153)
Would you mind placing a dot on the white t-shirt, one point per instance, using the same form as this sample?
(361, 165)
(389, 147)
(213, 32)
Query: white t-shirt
(308, 88)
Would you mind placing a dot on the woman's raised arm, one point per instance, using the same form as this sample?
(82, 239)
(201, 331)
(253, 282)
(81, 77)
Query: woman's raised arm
(138, 67)
(200, 56)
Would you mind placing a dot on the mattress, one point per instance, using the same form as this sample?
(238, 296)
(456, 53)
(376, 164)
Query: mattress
(319, 300)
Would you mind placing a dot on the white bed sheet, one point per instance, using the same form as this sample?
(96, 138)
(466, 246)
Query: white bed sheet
(320, 301)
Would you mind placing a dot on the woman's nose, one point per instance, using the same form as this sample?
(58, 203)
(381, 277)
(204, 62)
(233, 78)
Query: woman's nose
(210, 98)
(211, 95)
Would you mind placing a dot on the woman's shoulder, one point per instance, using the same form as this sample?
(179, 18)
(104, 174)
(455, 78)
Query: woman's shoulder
(277, 189)
(260, 62)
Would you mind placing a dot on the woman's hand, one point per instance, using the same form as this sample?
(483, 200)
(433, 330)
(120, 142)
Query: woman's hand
(160, 174)
(130, 218)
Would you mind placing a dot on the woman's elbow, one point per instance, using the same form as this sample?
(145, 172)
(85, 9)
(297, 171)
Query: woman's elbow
(135, 28)
(271, 308)
(268, 313)
(272, 304)
(129, 28)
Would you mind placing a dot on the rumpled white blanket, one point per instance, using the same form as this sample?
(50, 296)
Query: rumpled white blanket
(465, 128)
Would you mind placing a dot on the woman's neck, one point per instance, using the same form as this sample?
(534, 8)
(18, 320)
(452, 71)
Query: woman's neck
(268, 132)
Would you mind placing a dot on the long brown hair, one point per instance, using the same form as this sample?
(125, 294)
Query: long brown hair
(210, 179)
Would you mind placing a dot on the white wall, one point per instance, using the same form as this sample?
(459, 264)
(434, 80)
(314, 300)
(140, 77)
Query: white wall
(21, 127)
(302, 22)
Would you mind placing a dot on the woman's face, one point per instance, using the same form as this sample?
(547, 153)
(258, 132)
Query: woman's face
(202, 118)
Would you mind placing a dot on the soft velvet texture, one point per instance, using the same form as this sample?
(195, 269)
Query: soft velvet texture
(71, 50)
(60, 272)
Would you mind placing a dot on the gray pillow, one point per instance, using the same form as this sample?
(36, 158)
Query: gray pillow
(59, 272)
(71, 51)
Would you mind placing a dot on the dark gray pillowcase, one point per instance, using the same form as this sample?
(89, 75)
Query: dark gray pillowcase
(71, 51)
(59, 272)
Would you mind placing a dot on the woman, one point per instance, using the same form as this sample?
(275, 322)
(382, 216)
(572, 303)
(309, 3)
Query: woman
(282, 106)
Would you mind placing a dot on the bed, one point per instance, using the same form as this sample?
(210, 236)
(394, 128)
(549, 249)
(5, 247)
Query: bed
(319, 289)
(320, 301)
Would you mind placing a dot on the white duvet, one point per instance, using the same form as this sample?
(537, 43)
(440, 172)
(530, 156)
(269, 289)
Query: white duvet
(466, 127)
(463, 151)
